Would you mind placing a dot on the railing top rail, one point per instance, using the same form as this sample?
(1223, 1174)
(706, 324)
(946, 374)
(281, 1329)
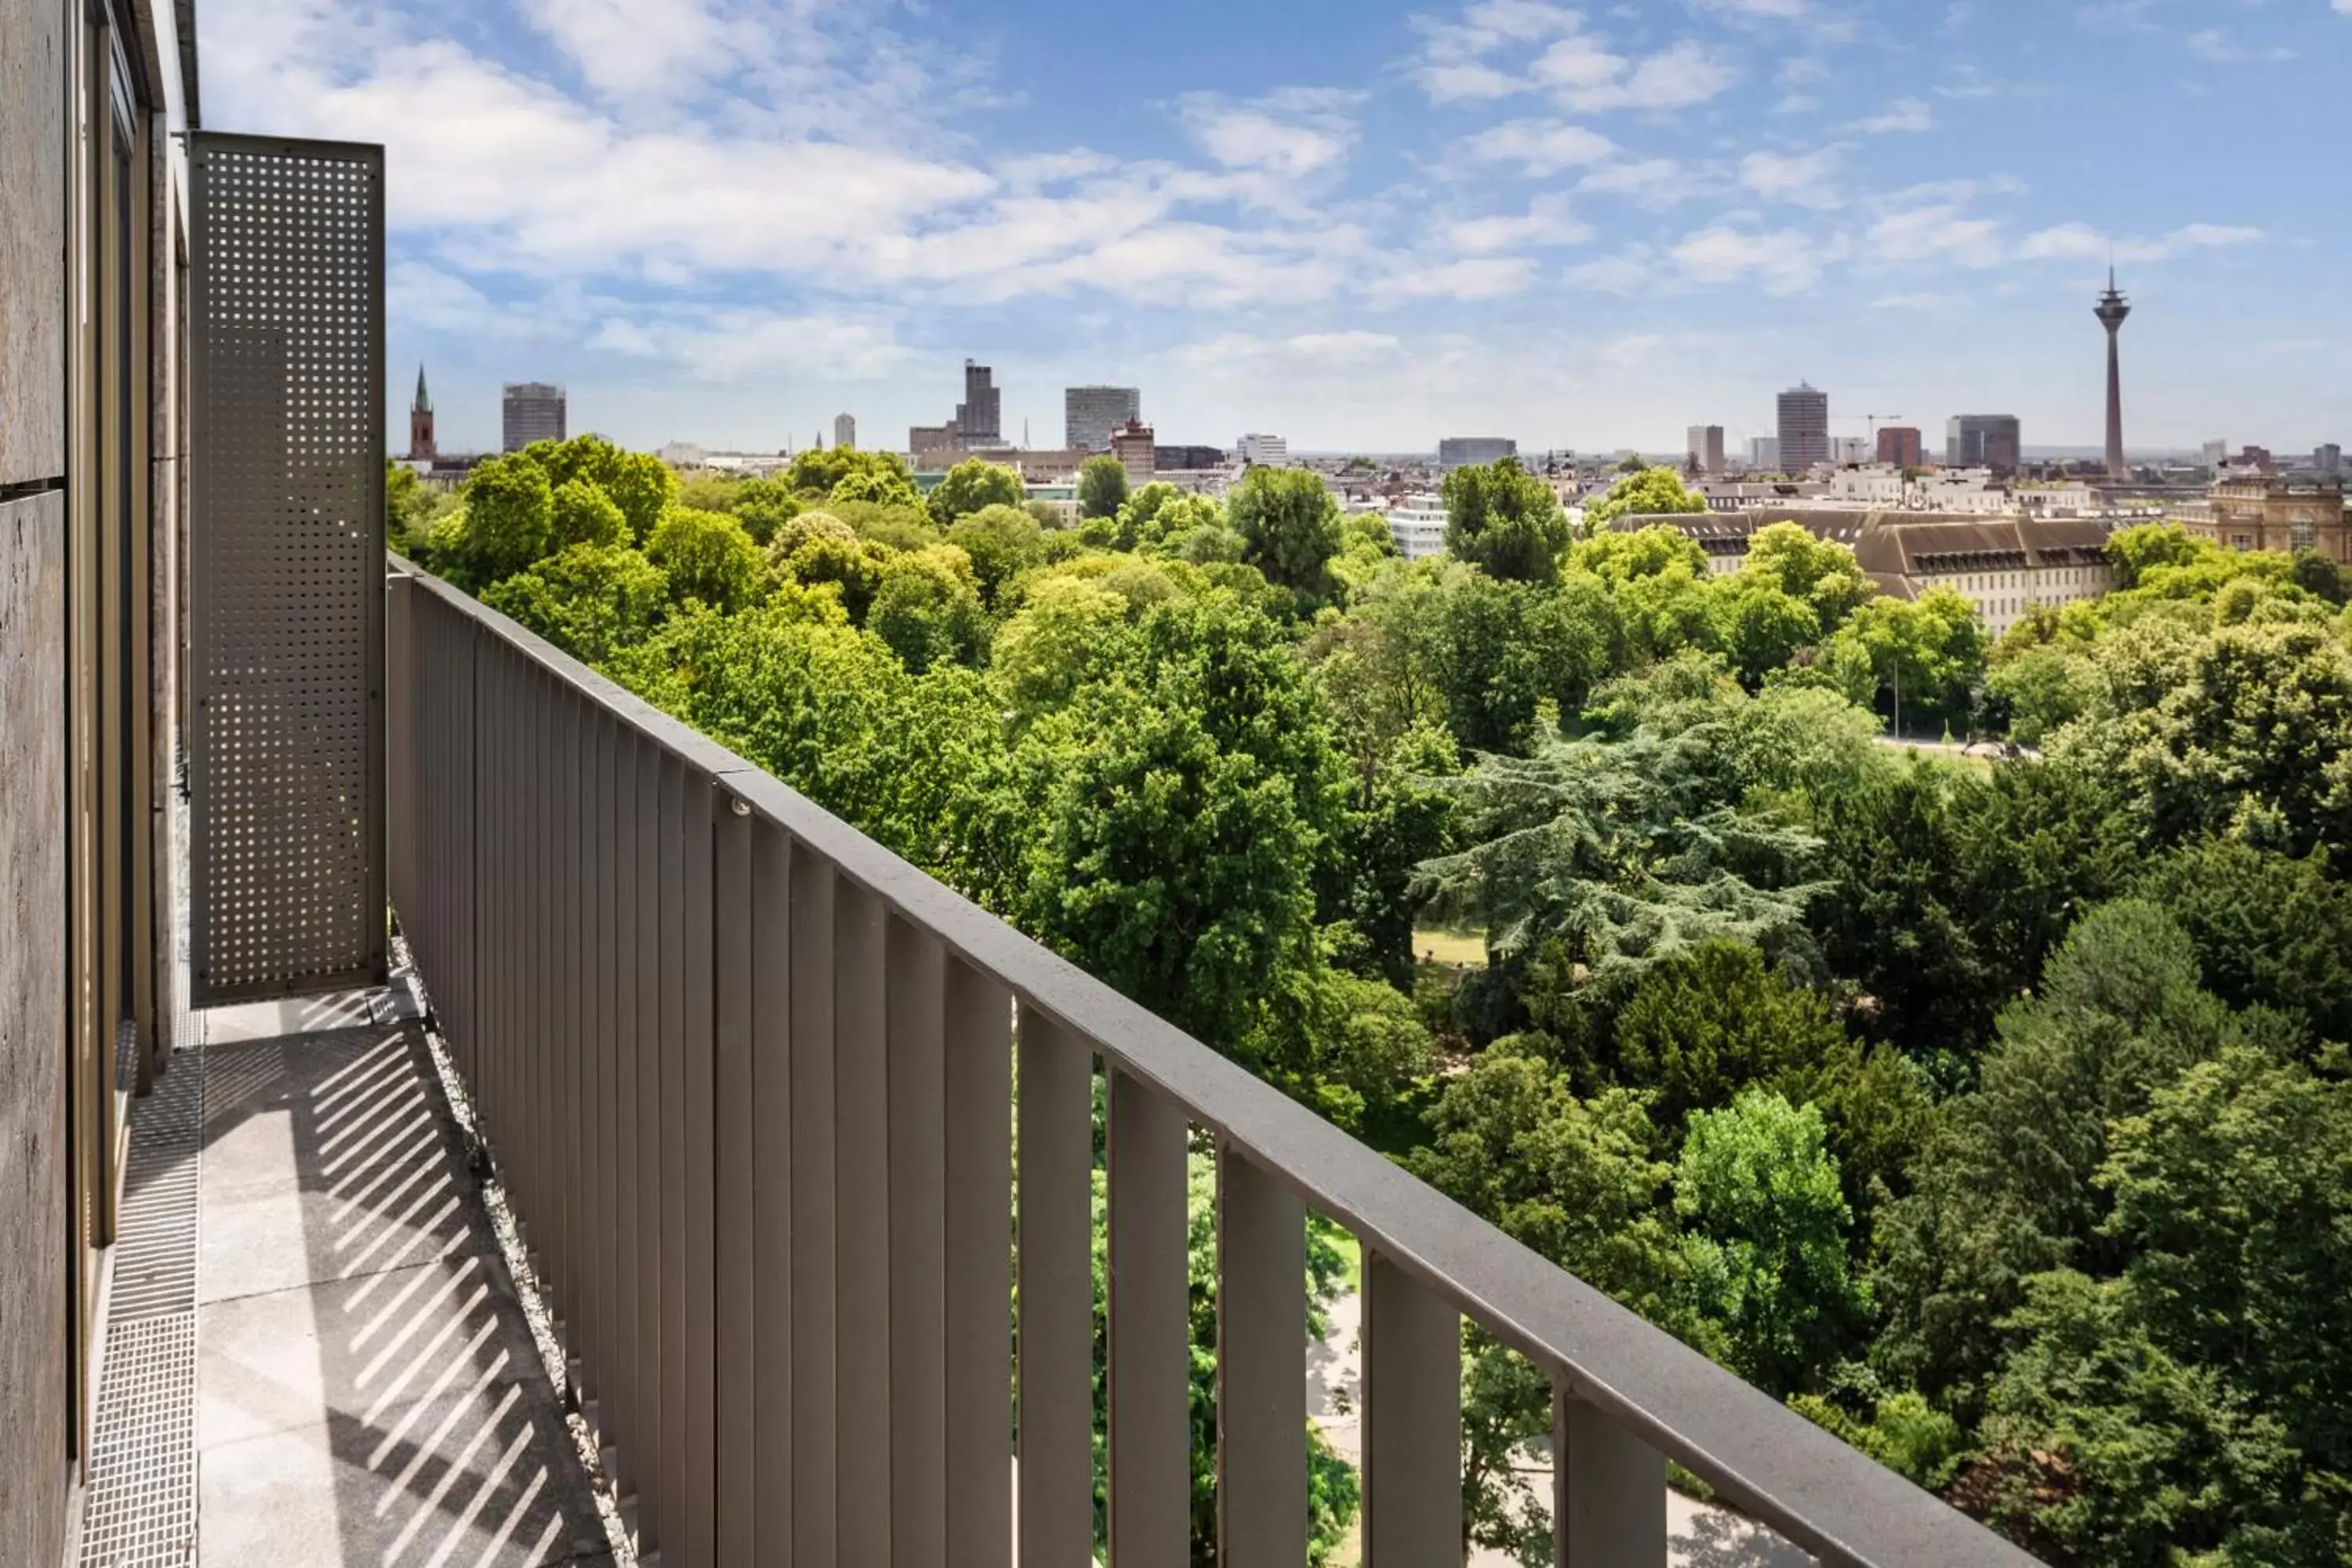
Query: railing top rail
(1816, 1491)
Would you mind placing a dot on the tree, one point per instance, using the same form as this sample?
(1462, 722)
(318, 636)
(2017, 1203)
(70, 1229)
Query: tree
(2270, 930)
(927, 607)
(1070, 632)
(877, 484)
(1760, 627)
(708, 556)
(583, 514)
(1102, 485)
(1820, 571)
(1925, 653)
(509, 516)
(639, 483)
(1766, 1248)
(1643, 492)
(1001, 541)
(589, 600)
(2134, 552)
(763, 506)
(1711, 1022)
(817, 548)
(973, 484)
(1289, 524)
(818, 472)
(1505, 521)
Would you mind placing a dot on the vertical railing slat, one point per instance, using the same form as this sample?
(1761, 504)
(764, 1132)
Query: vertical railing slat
(1151, 1423)
(1261, 1368)
(624, 1444)
(771, 1240)
(979, 1214)
(733, 935)
(1412, 1421)
(1056, 1294)
(1608, 1491)
(647, 1175)
(676, 1476)
(814, 1512)
(917, 1030)
(862, 1156)
(700, 1461)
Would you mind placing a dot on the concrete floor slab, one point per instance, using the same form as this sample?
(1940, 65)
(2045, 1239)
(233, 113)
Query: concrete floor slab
(367, 1390)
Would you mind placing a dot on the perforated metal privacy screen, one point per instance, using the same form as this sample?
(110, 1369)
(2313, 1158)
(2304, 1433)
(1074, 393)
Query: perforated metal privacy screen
(286, 587)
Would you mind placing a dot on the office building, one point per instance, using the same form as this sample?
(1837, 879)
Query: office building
(534, 412)
(1847, 450)
(1804, 428)
(1192, 457)
(2216, 453)
(1460, 451)
(420, 448)
(1089, 413)
(1264, 451)
(1764, 454)
(2111, 310)
(1133, 446)
(1418, 526)
(845, 432)
(978, 418)
(1706, 449)
(1899, 446)
(2328, 460)
(929, 444)
(1983, 441)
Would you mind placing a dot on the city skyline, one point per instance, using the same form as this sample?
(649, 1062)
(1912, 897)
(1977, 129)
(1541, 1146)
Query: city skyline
(1497, 217)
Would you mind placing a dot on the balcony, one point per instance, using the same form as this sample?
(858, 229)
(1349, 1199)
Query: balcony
(794, 1151)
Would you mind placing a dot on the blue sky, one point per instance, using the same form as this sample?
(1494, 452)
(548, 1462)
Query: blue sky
(1360, 223)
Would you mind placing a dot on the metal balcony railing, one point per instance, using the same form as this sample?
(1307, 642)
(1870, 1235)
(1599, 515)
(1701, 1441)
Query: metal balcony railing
(752, 1081)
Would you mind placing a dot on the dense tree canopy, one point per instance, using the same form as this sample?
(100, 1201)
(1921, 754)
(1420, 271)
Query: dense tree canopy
(1994, 1114)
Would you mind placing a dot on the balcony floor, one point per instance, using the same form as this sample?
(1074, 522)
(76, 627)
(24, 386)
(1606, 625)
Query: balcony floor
(367, 1386)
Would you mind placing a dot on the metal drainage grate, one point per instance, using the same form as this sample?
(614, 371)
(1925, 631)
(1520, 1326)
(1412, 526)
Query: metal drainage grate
(139, 1503)
(141, 1507)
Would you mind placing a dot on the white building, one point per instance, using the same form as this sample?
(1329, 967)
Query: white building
(1418, 526)
(1263, 452)
(1703, 450)
(684, 455)
(1764, 454)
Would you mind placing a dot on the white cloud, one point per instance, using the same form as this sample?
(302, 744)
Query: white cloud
(2220, 48)
(1336, 349)
(1785, 262)
(1647, 182)
(1452, 64)
(1540, 146)
(1802, 179)
(1547, 221)
(1578, 62)
(629, 48)
(1904, 115)
(1472, 278)
(2080, 242)
(1290, 133)
(1629, 271)
(1940, 233)
(1685, 75)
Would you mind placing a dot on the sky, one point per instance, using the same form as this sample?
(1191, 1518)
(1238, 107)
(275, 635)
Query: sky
(1360, 223)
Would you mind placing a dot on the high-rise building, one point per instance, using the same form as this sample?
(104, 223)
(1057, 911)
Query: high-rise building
(1983, 441)
(1264, 451)
(1899, 446)
(1846, 451)
(1133, 446)
(420, 423)
(534, 412)
(2328, 460)
(2216, 453)
(1460, 451)
(845, 432)
(1764, 454)
(978, 418)
(2111, 310)
(1804, 428)
(1089, 413)
(1706, 450)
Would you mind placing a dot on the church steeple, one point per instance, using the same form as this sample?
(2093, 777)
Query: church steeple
(420, 423)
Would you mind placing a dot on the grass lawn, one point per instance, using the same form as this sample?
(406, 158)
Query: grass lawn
(1463, 948)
